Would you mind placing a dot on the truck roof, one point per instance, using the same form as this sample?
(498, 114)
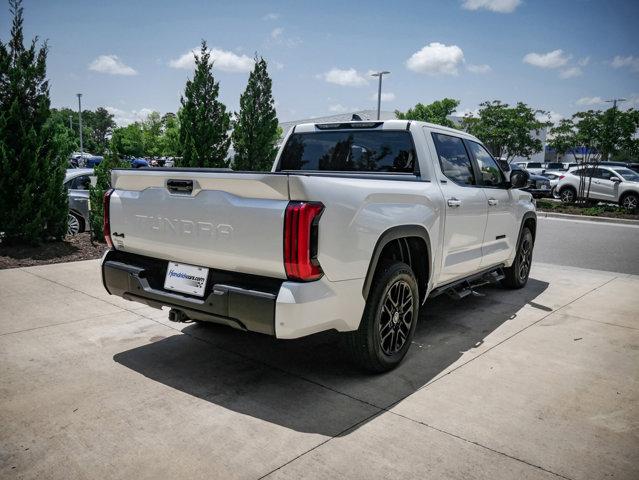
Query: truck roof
(384, 124)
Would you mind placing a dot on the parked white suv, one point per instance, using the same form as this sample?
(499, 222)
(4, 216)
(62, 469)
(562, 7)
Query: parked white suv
(609, 184)
(356, 224)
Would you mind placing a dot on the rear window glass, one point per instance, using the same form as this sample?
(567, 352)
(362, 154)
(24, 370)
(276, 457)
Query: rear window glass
(533, 165)
(350, 151)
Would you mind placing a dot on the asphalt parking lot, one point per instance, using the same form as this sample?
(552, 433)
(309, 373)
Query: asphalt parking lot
(537, 383)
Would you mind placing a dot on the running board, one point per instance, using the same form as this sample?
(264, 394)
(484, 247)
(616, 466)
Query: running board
(466, 286)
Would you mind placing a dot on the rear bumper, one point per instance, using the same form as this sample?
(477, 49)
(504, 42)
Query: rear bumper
(247, 302)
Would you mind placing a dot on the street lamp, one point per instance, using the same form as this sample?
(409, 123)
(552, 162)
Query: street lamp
(379, 89)
(80, 123)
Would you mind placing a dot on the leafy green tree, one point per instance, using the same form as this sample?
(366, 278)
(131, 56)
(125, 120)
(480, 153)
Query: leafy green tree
(255, 132)
(129, 140)
(32, 158)
(170, 139)
(563, 138)
(507, 131)
(101, 124)
(152, 128)
(204, 121)
(436, 112)
(96, 192)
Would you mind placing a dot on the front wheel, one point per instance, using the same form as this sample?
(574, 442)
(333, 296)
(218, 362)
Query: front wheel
(516, 276)
(388, 323)
(630, 201)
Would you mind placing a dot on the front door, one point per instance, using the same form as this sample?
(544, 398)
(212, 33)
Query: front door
(500, 237)
(466, 209)
(602, 188)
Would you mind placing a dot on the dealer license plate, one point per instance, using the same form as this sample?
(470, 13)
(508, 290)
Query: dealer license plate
(186, 278)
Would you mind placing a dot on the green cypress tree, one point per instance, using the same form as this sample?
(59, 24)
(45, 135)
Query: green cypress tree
(32, 201)
(256, 129)
(204, 121)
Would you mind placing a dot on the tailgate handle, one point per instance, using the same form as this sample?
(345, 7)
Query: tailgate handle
(180, 186)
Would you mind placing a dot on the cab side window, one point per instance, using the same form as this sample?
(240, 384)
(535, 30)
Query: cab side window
(454, 159)
(491, 174)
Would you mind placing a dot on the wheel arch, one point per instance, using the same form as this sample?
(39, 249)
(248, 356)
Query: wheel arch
(408, 242)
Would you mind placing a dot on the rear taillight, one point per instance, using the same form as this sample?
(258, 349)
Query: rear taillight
(300, 241)
(561, 177)
(106, 211)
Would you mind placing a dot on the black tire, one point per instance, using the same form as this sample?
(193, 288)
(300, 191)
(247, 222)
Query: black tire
(516, 276)
(388, 323)
(629, 201)
(568, 195)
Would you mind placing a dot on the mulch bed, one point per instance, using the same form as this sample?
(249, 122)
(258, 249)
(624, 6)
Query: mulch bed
(72, 249)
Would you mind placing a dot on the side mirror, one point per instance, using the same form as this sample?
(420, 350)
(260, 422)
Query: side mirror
(519, 178)
(615, 179)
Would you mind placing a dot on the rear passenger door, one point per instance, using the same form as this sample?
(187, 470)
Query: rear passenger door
(501, 232)
(466, 209)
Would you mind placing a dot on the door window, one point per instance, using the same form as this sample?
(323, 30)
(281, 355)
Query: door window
(603, 174)
(491, 175)
(453, 159)
(83, 182)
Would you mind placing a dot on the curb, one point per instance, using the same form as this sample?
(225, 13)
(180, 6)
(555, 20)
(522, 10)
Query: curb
(587, 218)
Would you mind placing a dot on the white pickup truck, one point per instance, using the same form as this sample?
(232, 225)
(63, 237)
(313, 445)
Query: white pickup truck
(354, 227)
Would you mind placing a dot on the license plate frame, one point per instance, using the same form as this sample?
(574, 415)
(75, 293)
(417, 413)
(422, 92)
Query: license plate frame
(185, 278)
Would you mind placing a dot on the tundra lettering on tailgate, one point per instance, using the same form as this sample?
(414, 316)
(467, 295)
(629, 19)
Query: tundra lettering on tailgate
(179, 226)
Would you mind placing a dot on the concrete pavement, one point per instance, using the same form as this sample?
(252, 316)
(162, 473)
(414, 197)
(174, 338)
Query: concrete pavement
(588, 244)
(537, 383)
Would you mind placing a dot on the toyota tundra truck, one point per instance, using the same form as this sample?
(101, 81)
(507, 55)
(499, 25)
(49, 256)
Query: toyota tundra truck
(355, 226)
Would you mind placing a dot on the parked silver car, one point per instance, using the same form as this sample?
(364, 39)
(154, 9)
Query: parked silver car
(609, 184)
(78, 181)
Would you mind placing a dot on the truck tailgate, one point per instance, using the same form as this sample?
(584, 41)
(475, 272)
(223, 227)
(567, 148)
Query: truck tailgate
(223, 220)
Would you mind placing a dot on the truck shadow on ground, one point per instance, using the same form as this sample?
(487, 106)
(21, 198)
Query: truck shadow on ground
(309, 384)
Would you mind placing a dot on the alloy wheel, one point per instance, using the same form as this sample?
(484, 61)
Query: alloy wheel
(630, 202)
(567, 196)
(73, 225)
(396, 317)
(525, 254)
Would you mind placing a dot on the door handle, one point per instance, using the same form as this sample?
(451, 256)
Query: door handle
(454, 202)
(492, 202)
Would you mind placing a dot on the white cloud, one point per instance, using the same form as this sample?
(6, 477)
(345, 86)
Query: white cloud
(112, 65)
(467, 112)
(224, 60)
(554, 59)
(347, 78)
(551, 116)
(479, 68)
(570, 72)
(590, 101)
(386, 96)
(583, 62)
(126, 117)
(277, 32)
(630, 61)
(271, 16)
(436, 58)
(338, 108)
(499, 6)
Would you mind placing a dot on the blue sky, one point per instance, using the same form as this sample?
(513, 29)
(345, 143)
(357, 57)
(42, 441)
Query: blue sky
(132, 56)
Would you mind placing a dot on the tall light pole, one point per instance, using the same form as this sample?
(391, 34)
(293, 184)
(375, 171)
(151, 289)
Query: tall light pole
(80, 123)
(614, 114)
(70, 122)
(379, 90)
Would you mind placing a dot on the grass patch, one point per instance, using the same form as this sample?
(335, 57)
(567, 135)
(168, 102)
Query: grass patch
(599, 210)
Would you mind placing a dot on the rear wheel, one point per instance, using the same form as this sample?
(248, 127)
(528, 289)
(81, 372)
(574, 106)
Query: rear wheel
(388, 323)
(516, 276)
(74, 224)
(568, 195)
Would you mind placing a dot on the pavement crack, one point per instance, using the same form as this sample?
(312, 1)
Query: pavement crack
(482, 446)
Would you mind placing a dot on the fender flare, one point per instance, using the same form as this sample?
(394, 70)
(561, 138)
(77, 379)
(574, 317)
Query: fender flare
(394, 233)
(526, 216)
